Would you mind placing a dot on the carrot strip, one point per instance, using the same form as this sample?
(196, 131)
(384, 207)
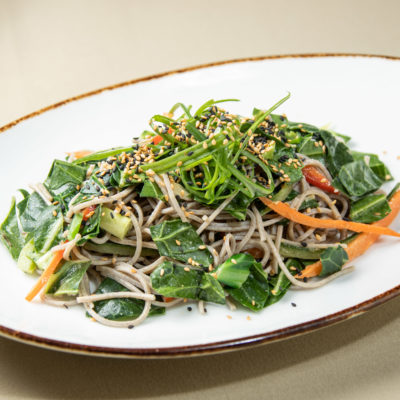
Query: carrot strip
(361, 243)
(286, 211)
(44, 278)
(80, 153)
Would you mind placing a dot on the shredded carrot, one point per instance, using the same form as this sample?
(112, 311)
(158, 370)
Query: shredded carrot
(361, 243)
(80, 153)
(44, 278)
(286, 211)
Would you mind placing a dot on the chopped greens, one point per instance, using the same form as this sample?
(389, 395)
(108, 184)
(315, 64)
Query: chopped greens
(118, 210)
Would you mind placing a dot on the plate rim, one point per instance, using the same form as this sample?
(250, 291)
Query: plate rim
(213, 347)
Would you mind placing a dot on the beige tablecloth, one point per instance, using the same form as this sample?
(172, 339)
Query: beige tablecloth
(51, 50)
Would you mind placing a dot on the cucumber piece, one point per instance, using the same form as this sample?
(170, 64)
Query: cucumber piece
(25, 263)
(118, 249)
(116, 224)
(304, 253)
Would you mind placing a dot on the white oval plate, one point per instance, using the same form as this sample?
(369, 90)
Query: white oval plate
(359, 95)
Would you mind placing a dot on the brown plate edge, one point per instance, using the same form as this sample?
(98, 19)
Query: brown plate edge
(207, 348)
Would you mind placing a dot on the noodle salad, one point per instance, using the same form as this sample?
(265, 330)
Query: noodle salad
(207, 207)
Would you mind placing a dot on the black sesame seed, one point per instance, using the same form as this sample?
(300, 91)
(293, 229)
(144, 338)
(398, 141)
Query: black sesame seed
(190, 153)
(130, 327)
(304, 244)
(205, 309)
(282, 118)
(305, 279)
(112, 215)
(189, 308)
(283, 158)
(293, 304)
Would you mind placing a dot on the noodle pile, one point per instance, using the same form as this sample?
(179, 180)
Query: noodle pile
(222, 233)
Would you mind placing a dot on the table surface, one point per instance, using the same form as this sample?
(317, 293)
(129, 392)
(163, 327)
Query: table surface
(54, 50)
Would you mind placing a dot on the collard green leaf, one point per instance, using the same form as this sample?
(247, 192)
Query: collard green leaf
(238, 206)
(380, 169)
(293, 173)
(332, 260)
(91, 228)
(179, 240)
(30, 211)
(338, 153)
(211, 290)
(49, 229)
(120, 309)
(67, 280)
(254, 291)
(235, 270)
(63, 172)
(91, 187)
(10, 234)
(297, 251)
(151, 189)
(63, 179)
(358, 179)
(172, 280)
(370, 209)
(309, 148)
(393, 191)
(280, 284)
